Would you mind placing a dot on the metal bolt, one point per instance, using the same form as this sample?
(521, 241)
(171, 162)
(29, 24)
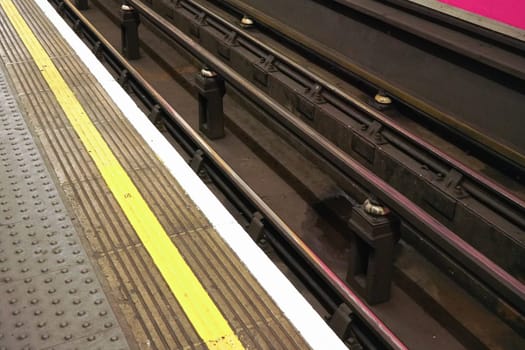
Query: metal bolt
(382, 98)
(246, 22)
(373, 208)
(208, 73)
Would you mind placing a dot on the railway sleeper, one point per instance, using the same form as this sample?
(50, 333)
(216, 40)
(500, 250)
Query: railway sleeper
(371, 252)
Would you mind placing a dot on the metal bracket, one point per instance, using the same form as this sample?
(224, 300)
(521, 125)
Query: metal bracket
(198, 21)
(196, 161)
(123, 78)
(77, 27)
(262, 68)
(256, 227)
(308, 102)
(445, 193)
(229, 41)
(365, 142)
(374, 129)
(97, 49)
(155, 116)
(340, 321)
(452, 180)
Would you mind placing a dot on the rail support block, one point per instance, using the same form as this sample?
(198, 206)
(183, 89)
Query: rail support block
(372, 251)
(211, 90)
(130, 20)
(81, 4)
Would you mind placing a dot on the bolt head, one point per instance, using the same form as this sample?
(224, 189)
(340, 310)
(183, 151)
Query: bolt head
(208, 73)
(246, 22)
(382, 99)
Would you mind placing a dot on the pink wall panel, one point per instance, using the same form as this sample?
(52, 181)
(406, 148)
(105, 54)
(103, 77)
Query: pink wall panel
(508, 11)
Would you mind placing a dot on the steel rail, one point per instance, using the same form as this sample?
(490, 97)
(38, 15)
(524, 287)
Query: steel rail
(495, 189)
(497, 278)
(482, 55)
(151, 98)
(486, 191)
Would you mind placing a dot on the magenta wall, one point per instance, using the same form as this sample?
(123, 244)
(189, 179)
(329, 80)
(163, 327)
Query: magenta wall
(508, 11)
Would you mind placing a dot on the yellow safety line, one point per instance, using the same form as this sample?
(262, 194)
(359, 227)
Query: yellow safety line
(204, 315)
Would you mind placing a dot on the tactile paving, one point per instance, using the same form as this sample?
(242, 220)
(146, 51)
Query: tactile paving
(50, 297)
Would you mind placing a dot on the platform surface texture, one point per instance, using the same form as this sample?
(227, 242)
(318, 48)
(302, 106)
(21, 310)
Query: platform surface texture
(108, 240)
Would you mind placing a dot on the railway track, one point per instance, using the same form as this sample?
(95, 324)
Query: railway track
(359, 167)
(436, 56)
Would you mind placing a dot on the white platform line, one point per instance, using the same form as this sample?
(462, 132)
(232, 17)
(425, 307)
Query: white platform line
(300, 313)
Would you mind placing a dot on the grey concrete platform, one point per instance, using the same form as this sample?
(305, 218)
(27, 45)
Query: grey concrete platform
(50, 297)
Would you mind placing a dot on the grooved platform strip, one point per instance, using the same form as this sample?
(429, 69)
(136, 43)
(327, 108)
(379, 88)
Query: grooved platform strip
(154, 316)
